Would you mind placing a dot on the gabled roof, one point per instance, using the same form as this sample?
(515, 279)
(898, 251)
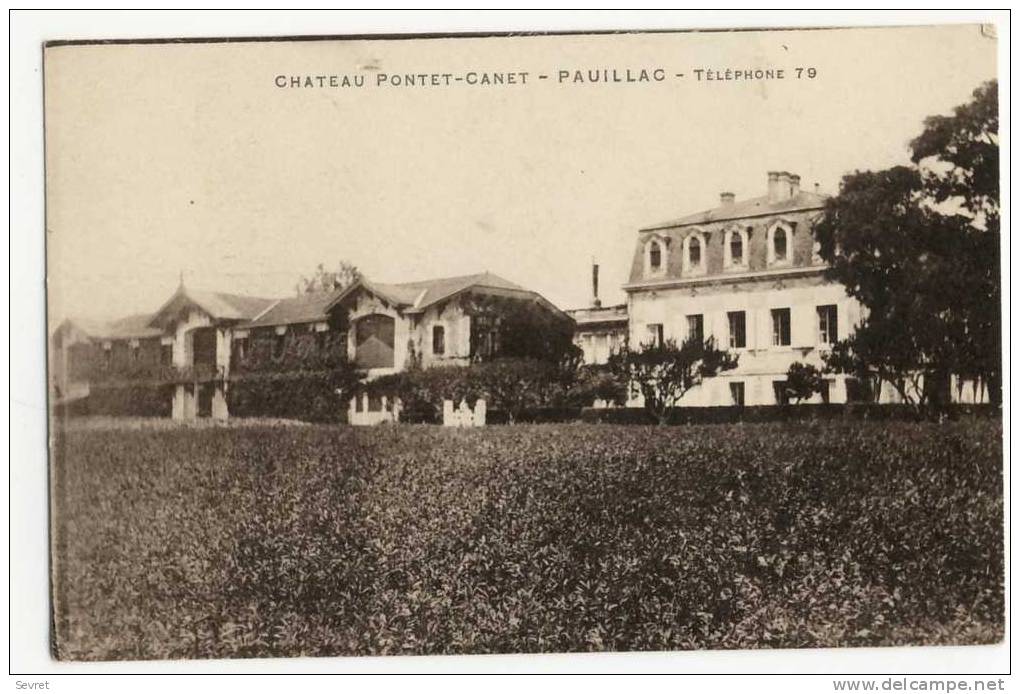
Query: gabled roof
(753, 207)
(130, 327)
(219, 305)
(307, 308)
(417, 296)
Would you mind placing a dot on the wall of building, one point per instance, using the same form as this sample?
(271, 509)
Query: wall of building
(457, 335)
(598, 343)
(760, 362)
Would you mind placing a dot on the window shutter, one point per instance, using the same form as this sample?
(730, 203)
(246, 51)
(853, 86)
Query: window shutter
(803, 325)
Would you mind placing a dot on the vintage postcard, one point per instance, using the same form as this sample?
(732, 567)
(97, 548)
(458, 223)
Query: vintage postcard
(524, 343)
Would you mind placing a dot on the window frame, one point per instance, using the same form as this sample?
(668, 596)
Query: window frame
(788, 231)
(699, 320)
(438, 331)
(744, 235)
(827, 323)
(657, 333)
(730, 315)
(654, 256)
(736, 386)
(688, 267)
(779, 334)
(779, 392)
(660, 243)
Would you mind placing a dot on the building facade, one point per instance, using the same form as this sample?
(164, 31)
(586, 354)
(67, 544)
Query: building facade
(600, 331)
(197, 343)
(748, 274)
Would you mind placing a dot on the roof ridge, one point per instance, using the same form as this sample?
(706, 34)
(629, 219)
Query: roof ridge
(264, 311)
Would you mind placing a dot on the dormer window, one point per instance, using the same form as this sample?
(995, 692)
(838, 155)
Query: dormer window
(779, 244)
(736, 249)
(694, 254)
(656, 258)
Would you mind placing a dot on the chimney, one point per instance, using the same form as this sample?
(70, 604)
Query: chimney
(773, 186)
(794, 185)
(784, 185)
(595, 302)
(818, 188)
(726, 199)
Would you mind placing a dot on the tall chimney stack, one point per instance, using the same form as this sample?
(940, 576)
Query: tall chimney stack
(773, 186)
(784, 185)
(595, 301)
(726, 199)
(794, 185)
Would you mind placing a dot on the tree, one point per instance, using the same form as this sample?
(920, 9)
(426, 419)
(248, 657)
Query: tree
(514, 385)
(513, 327)
(663, 372)
(323, 280)
(918, 247)
(803, 381)
(959, 155)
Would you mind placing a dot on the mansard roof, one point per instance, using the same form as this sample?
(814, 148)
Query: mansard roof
(741, 209)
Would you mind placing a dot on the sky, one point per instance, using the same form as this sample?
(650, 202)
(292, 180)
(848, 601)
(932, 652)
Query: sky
(186, 159)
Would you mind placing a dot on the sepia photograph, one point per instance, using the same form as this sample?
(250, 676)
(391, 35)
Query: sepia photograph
(524, 343)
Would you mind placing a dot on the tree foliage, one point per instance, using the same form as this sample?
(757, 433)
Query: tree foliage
(663, 372)
(918, 247)
(326, 280)
(803, 381)
(524, 329)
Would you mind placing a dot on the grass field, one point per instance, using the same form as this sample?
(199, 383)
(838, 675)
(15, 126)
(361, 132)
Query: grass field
(320, 540)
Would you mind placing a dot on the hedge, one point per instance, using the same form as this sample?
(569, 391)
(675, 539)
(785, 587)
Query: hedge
(774, 413)
(309, 396)
(121, 401)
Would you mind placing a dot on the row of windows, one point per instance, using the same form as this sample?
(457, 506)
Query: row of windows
(827, 327)
(735, 250)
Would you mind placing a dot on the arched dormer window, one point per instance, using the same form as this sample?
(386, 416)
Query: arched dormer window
(735, 250)
(780, 244)
(656, 256)
(694, 253)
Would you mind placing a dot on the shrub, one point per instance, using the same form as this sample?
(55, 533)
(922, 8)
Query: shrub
(126, 401)
(803, 381)
(662, 372)
(510, 386)
(311, 396)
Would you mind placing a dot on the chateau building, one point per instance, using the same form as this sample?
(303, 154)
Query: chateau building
(197, 342)
(748, 274)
